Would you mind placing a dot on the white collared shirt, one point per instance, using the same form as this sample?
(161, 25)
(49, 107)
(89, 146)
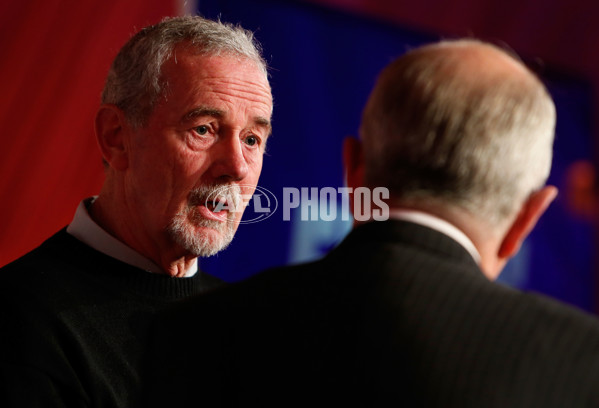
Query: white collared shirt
(87, 231)
(438, 224)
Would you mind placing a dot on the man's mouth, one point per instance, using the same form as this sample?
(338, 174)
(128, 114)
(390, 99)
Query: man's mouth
(215, 202)
(214, 209)
(217, 205)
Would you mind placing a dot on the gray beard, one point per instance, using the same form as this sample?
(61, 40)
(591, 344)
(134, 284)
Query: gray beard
(181, 228)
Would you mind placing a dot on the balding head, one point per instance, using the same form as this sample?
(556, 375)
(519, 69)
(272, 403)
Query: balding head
(459, 123)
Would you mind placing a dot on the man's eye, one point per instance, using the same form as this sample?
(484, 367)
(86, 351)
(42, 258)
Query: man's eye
(201, 130)
(251, 140)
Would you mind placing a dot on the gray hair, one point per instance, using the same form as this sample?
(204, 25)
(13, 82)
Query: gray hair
(437, 130)
(134, 82)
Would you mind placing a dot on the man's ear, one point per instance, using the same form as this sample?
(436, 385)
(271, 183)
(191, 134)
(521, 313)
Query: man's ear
(531, 211)
(110, 127)
(353, 162)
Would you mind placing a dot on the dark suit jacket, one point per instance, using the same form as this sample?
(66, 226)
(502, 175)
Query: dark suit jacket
(397, 315)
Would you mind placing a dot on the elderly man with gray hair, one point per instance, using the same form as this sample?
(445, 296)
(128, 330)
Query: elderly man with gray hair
(182, 128)
(405, 310)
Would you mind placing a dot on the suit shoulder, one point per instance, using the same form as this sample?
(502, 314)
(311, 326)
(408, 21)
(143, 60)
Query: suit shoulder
(563, 319)
(530, 318)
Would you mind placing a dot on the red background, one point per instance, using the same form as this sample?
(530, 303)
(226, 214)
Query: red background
(55, 56)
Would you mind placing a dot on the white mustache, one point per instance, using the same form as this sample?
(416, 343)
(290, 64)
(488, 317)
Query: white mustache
(231, 193)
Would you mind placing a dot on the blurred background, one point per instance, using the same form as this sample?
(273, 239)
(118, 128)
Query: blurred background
(324, 57)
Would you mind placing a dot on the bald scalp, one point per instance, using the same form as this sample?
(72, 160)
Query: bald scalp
(476, 60)
(463, 123)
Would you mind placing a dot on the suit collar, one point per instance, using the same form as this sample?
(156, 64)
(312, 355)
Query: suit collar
(376, 233)
(438, 224)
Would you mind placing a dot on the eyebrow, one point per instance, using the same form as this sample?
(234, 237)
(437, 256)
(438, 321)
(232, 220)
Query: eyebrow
(200, 112)
(203, 111)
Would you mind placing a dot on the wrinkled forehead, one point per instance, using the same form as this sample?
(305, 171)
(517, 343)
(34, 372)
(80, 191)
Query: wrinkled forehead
(186, 48)
(224, 86)
(189, 66)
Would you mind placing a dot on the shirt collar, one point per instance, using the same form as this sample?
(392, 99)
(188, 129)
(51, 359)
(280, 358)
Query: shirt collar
(85, 229)
(439, 225)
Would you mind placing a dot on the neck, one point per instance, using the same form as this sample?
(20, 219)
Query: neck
(116, 219)
(485, 238)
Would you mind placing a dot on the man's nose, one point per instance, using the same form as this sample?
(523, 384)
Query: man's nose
(228, 161)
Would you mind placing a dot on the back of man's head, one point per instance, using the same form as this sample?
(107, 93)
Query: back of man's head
(459, 123)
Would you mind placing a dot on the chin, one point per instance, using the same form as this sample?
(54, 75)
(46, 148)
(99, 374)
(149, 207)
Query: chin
(202, 240)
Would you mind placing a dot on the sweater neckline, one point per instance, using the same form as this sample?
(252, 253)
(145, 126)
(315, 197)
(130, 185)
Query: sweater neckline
(112, 273)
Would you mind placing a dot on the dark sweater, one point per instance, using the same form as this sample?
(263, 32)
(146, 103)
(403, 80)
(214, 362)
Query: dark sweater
(74, 325)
